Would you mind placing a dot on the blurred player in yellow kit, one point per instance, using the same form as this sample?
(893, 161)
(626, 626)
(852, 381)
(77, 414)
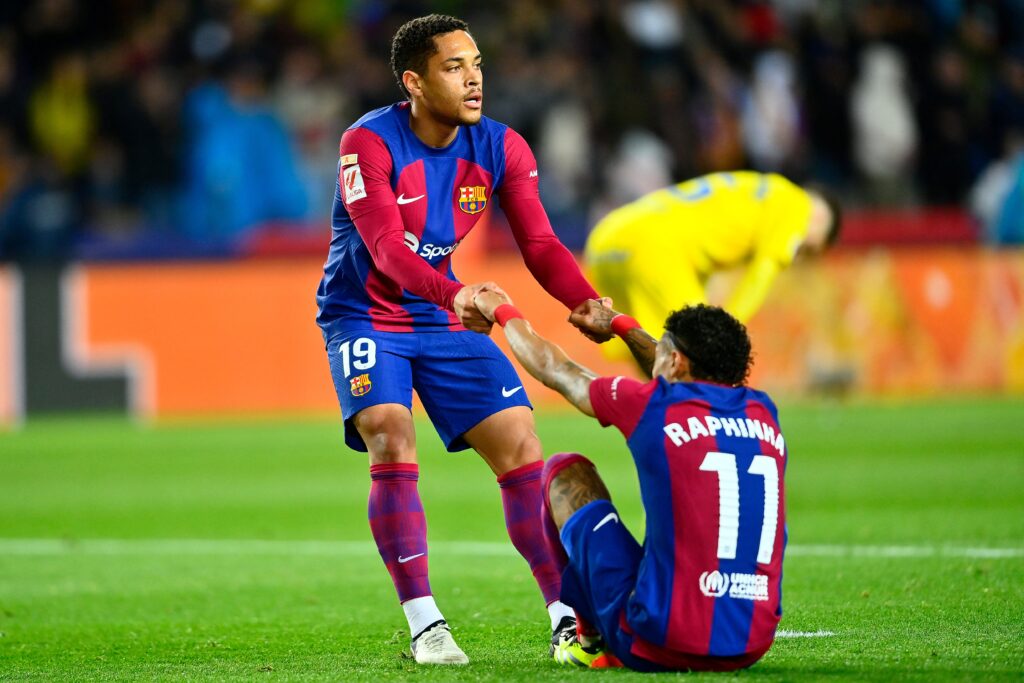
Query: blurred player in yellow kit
(654, 255)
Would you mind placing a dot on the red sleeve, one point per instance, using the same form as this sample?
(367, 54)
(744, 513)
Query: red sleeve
(365, 182)
(547, 259)
(620, 401)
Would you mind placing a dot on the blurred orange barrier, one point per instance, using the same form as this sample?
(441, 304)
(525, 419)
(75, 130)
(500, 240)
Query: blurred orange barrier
(219, 337)
(239, 336)
(921, 321)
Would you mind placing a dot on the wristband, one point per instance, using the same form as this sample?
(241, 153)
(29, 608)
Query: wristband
(622, 323)
(506, 312)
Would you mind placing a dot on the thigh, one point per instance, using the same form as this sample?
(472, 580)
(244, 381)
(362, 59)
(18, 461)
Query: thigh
(506, 440)
(370, 368)
(462, 378)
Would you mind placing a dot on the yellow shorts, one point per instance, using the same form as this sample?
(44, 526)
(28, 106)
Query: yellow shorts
(646, 286)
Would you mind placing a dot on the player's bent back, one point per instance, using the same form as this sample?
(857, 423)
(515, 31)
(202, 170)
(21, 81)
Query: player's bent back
(711, 463)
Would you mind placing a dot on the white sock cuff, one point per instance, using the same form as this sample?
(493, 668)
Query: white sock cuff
(557, 611)
(421, 613)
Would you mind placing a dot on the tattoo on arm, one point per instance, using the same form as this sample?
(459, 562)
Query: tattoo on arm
(642, 346)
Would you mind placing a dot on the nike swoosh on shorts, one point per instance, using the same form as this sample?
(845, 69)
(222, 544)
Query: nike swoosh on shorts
(508, 392)
(610, 517)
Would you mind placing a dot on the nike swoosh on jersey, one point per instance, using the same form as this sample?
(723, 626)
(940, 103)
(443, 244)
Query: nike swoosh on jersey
(403, 560)
(610, 517)
(410, 200)
(508, 392)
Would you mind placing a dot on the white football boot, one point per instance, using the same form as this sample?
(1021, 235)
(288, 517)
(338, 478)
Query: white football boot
(435, 645)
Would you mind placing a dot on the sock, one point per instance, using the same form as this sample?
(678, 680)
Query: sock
(587, 633)
(399, 527)
(558, 610)
(556, 463)
(521, 499)
(421, 613)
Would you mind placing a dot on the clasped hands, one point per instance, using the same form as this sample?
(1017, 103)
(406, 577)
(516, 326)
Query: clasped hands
(475, 306)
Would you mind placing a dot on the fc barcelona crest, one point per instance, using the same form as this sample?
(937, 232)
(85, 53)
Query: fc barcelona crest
(473, 199)
(361, 384)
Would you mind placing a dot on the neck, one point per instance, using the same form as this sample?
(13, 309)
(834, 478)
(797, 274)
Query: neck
(429, 130)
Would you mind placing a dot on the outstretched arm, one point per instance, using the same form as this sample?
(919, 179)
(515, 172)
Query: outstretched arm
(595, 318)
(547, 259)
(542, 359)
(753, 288)
(364, 185)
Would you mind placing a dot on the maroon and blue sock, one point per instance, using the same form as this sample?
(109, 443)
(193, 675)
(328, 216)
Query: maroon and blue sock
(399, 527)
(521, 499)
(555, 464)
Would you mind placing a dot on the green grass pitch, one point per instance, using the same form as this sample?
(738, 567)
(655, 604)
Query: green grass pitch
(240, 551)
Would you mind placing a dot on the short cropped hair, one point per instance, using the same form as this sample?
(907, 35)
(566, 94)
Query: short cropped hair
(716, 344)
(413, 43)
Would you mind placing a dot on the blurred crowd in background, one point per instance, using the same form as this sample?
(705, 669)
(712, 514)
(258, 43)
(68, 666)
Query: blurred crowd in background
(163, 127)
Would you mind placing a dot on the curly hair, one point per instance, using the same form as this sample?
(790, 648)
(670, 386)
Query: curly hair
(715, 342)
(413, 43)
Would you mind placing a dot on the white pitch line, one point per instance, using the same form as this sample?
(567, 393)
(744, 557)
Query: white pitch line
(912, 551)
(213, 546)
(804, 634)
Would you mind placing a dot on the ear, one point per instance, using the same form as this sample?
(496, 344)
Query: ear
(412, 82)
(680, 366)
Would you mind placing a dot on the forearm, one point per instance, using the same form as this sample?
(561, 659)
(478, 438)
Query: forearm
(752, 289)
(382, 233)
(642, 346)
(547, 259)
(556, 270)
(551, 264)
(548, 363)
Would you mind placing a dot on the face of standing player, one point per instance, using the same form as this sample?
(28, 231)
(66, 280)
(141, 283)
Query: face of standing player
(451, 90)
(670, 362)
(817, 230)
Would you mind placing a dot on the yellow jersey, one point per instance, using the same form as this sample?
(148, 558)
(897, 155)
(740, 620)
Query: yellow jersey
(710, 223)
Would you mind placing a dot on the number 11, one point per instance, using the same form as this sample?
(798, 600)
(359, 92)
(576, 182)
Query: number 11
(729, 502)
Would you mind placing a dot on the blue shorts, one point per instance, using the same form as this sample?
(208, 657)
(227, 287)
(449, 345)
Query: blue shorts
(604, 560)
(461, 378)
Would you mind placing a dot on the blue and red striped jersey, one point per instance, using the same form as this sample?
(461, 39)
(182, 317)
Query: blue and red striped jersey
(401, 208)
(711, 461)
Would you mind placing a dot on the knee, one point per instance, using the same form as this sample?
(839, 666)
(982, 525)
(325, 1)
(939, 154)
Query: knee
(530, 449)
(558, 462)
(388, 438)
(518, 452)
